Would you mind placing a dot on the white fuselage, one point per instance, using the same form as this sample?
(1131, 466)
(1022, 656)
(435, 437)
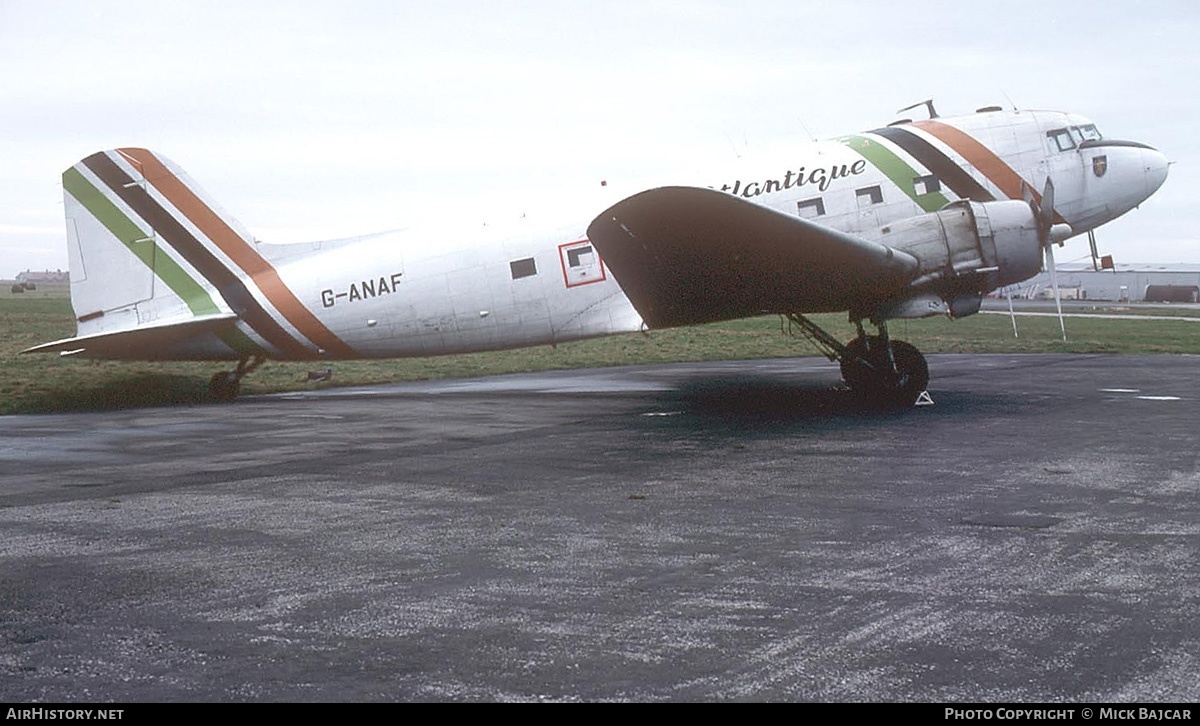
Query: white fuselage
(444, 290)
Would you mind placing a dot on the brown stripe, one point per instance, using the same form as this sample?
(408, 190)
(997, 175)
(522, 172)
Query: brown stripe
(169, 230)
(982, 158)
(978, 155)
(237, 249)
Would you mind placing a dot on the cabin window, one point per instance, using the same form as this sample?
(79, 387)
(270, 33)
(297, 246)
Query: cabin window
(869, 196)
(523, 268)
(1090, 132)
(810, 208)
(926, 185)
(1062, 139)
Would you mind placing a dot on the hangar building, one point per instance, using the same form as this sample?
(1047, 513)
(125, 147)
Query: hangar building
(1178, 282)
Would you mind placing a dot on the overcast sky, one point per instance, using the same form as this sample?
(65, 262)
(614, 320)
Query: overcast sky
(312, 120)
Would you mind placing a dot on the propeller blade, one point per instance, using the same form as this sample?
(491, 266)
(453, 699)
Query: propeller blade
(1054, 284)
(1012, 314)
(1046, 211)
(1043, 210)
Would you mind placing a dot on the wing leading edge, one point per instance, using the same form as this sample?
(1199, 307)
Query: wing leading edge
(687, 255)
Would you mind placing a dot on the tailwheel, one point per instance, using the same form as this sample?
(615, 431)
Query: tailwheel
(225, 385)
(897, 382)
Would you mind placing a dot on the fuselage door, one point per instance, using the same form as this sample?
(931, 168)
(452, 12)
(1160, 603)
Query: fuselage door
(581, 264)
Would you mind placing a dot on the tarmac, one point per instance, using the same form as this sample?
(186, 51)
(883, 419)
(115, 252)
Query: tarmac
(735, 531)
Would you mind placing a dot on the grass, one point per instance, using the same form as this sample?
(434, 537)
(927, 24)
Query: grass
(46, 383)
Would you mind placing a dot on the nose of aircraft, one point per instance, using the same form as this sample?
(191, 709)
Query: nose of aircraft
(1156, 166)
(1127, 173)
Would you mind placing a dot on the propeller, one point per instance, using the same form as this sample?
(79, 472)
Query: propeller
(1054, 284)
(1049, 233)
(1011, 313)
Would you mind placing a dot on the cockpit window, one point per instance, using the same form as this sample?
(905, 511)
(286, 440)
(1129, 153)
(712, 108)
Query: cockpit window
(1073, 137)
(1062, 139)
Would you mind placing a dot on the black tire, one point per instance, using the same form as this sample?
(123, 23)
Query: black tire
(876, 380)
(854, 372)
(913, 373)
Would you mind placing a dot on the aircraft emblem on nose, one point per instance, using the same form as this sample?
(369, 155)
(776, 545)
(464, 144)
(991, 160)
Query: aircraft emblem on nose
(1099, 165)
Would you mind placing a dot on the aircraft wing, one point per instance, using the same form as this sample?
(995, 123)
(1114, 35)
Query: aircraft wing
(155, 341)
(687, 255)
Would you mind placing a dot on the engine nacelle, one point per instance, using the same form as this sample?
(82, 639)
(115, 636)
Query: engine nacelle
(969, 248)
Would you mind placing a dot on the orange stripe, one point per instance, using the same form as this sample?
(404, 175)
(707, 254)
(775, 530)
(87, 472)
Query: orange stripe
(238, 250)
(982, 158)
(979, 156)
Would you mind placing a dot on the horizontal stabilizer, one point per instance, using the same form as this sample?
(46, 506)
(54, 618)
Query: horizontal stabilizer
(153, 341)
(686, 255)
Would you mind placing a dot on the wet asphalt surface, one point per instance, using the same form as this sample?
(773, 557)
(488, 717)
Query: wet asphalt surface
(721, 531)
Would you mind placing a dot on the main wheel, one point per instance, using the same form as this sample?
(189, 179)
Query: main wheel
(224, 386)
(912, 373)
(859, 369)
(867, 371)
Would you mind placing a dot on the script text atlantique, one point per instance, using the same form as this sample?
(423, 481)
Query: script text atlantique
(820, 177)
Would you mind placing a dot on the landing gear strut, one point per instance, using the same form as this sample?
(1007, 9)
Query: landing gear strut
(225, 385)
(888, 371)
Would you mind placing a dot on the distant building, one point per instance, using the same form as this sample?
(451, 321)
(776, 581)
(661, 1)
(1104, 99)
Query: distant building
(1178, 282)
(38, 278)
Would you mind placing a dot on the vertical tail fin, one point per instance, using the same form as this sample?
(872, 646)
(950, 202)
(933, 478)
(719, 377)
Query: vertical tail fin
(133, 297)
(122, 273)
(149, 249)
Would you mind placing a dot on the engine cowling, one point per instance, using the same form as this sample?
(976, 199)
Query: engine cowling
(965, 250)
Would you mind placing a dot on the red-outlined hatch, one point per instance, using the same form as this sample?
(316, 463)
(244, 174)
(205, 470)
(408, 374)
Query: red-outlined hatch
(581, 264)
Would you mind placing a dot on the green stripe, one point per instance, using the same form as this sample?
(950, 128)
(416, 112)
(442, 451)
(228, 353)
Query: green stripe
(198, 300)
(894, 168)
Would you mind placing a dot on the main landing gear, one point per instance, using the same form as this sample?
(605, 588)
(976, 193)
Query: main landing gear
(225, 385)
(889, 372)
